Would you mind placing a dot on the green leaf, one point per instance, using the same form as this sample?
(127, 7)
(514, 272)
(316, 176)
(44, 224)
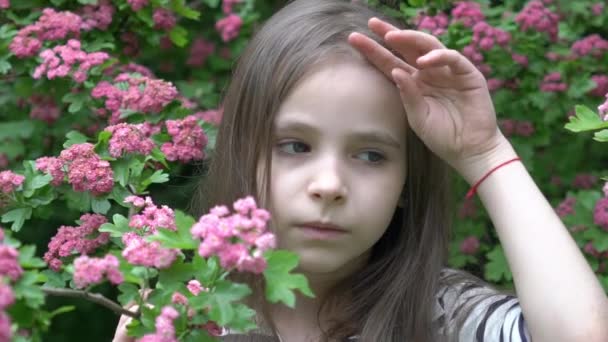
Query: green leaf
(88, 2)
(118, 228)
(212, 3)
(16, 130)
(100, 205)
(179, 36)
(54, 279)
(76, 101)
(157, 177)
(601, 136)
(18, 217)
(129, 293)
(178, 272)
(179, 7)
(221, 298)
(121, 171)
(36, 182)
(5, 66)
(585, 120)
(74, 137)
(171, 239)
(279, 282)
(28, 259)
(62, 310)
(497, 268)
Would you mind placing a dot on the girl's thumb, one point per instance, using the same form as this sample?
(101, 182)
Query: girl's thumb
(416, 107)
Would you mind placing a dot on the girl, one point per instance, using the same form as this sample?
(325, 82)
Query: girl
(345, 127)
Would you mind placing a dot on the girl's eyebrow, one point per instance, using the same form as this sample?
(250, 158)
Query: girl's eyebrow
(362, 135)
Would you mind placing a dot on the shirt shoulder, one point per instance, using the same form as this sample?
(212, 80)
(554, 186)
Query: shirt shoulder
(485, 313)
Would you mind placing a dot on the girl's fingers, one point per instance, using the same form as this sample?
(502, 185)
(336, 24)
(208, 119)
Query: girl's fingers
(413, 100)
(412, 44)
(380, 27)
(458, 64)
(378, 55)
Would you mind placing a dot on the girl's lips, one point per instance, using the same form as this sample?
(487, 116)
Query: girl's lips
(321, 232)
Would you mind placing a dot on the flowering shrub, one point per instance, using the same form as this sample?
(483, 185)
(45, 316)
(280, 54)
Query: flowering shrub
(106, 103)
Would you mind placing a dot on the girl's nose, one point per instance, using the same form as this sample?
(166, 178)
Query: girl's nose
(327, 185)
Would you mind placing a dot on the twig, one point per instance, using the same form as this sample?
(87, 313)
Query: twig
(93, 297)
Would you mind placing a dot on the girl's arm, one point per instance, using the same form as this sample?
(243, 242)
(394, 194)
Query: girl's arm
(560, 295)
(449, 107)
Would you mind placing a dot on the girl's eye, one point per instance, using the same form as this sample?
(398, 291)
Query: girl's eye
(372, 157)
(293, 147)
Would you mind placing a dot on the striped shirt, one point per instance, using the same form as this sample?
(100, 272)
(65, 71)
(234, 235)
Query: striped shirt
(493, 316)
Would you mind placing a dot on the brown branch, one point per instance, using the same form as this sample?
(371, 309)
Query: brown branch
(93, 297)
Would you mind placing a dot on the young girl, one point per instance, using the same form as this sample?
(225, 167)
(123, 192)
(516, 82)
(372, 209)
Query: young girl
(345, 128)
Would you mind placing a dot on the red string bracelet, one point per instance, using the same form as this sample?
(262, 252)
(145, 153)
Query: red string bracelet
(473, 189)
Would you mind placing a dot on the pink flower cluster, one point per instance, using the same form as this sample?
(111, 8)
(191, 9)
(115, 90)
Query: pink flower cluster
(603, 109)
(470, 51)
(510, 127)
(86, 171)
(213, 116)
(467, 12)
(10, 181)
(485, 36)
(71, 55)
(552, 82)
(195, 287)
(188, 140)
(229, 27)
(144, 94)
(200, 50)
(601, 85)
(9, 263)
(436, 25)
(597, 8)
(7, 298)
(137, 251)
(593, 45)
(136, 5)
(51, 25)
(44, 108)
(165, 331)
(88, 271)
(97, 16)
(584, 181)
(164, 19)
(591, 250)
(227, 5)
(600, 213)
(535, 16)
(4, 4)
(70, 240)
(151, 217)
(470, 245)
(239, 240)
(566, 207)
(129, 138)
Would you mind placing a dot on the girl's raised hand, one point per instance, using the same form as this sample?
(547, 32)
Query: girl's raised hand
(446, 98)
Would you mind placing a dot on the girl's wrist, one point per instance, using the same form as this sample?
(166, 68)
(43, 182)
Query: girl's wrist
(476, 167)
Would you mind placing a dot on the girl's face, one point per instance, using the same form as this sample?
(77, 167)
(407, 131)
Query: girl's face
(339, 158)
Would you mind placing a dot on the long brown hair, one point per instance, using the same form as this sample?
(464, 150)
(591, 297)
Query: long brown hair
(394, 296)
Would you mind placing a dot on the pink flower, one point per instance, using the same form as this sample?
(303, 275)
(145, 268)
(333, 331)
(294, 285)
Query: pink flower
(467, 12)
(470, 245)
(553, 83)
(239, 240)
(494, 84)
(535, 16)
(486, 36)
(468, 209)
(566, 207)
(228, 4)
(211, 116)
(52, 166)
(199, 51)
(139, 252)
(136, 5)
(7, 298)
(597, 8)
(603, 109)
(5, 326)
(188, 140)
(436, 25)
(605, 189)
(51, 25)
(73, 59)
(86, 170)
(524, 128)
(520, 59)
(601, 85)
(195, 287)
(593, 45)
(600, 213)
(164, 19)
(128, 138)
(44, 108)
(229, 27)
(97, 16)
(584, 181)
(89, 271)
(9, 263)
(152, 217)
(10, 181)
(178, 298)
(165, 332)
(4, 4)
(83, 239)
